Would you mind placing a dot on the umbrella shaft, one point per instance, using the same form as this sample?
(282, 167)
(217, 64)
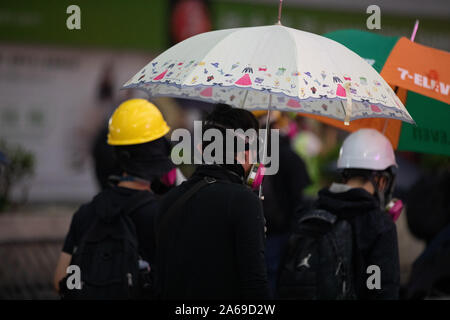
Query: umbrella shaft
(267, 130)
(265, 143)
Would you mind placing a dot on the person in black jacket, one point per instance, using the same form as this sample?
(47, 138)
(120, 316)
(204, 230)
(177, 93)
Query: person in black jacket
(136, 132)
(367, 164)
(214, 248)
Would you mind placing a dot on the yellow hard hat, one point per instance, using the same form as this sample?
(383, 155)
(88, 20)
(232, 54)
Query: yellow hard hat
(136, 121)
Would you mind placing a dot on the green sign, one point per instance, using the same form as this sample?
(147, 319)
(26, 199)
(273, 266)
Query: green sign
(144, 24)
(137, 24)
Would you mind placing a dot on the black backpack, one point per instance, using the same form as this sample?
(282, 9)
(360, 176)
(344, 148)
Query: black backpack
(317, 264)
(108, 255)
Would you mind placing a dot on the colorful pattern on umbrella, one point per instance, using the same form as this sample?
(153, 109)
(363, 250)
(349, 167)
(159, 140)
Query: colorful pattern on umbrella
(205, 67)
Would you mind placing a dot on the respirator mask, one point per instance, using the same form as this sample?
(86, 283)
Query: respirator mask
(255, 176)
(392, 206)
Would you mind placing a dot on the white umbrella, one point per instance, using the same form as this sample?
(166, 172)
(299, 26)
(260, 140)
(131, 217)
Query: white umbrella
(272, 67)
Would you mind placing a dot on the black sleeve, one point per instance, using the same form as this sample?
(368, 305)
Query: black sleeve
(248, 217)
(384, 254)
(72, 238)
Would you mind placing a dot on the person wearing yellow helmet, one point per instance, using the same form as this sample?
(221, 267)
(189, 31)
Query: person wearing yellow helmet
(117, 225)
(136, 121)
(136, 131)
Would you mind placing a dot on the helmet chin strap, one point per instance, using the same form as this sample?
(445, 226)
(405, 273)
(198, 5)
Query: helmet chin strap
(390, 189)
(382, 199)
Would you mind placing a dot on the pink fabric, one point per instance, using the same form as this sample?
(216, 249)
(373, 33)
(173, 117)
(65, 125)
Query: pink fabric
(375, 108)
(244, 80)
(292, 129)
(293, 103)
(340, 91)
(206, 92)
(396, 210)
(162, 75)
(170, 177)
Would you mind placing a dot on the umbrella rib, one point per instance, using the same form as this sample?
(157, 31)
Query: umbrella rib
(296, 56)
(385, 125)
(349, 101)
(245, 98)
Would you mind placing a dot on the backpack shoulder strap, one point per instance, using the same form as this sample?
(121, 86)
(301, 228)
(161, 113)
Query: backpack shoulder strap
(319, 214)
(179, 203)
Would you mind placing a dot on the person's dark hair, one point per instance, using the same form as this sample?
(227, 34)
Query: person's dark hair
(361, 174)
(365, 175)
(225, 117)
(232, 118)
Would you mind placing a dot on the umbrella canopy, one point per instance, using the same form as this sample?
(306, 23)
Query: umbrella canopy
(288, 69)
(424, 72)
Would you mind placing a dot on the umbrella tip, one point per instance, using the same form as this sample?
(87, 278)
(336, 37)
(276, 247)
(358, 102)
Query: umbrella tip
(280, 5)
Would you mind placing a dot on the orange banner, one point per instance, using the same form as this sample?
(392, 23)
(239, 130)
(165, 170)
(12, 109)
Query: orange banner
(389, 127)
(419, 69)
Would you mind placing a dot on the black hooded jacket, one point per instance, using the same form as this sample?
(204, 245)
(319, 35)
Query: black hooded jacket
(375, 239)
(217, 250)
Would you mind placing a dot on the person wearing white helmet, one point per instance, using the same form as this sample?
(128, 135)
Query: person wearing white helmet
(369, 155)
(368, 167)
(361, 261)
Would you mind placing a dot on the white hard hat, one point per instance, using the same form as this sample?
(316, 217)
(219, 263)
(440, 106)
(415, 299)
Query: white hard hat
(366, 149)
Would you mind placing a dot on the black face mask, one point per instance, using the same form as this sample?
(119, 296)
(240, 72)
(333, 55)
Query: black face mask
(160, 188)
(148, 161)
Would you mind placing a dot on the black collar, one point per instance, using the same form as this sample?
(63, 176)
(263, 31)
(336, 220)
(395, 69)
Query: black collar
(233, 173)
